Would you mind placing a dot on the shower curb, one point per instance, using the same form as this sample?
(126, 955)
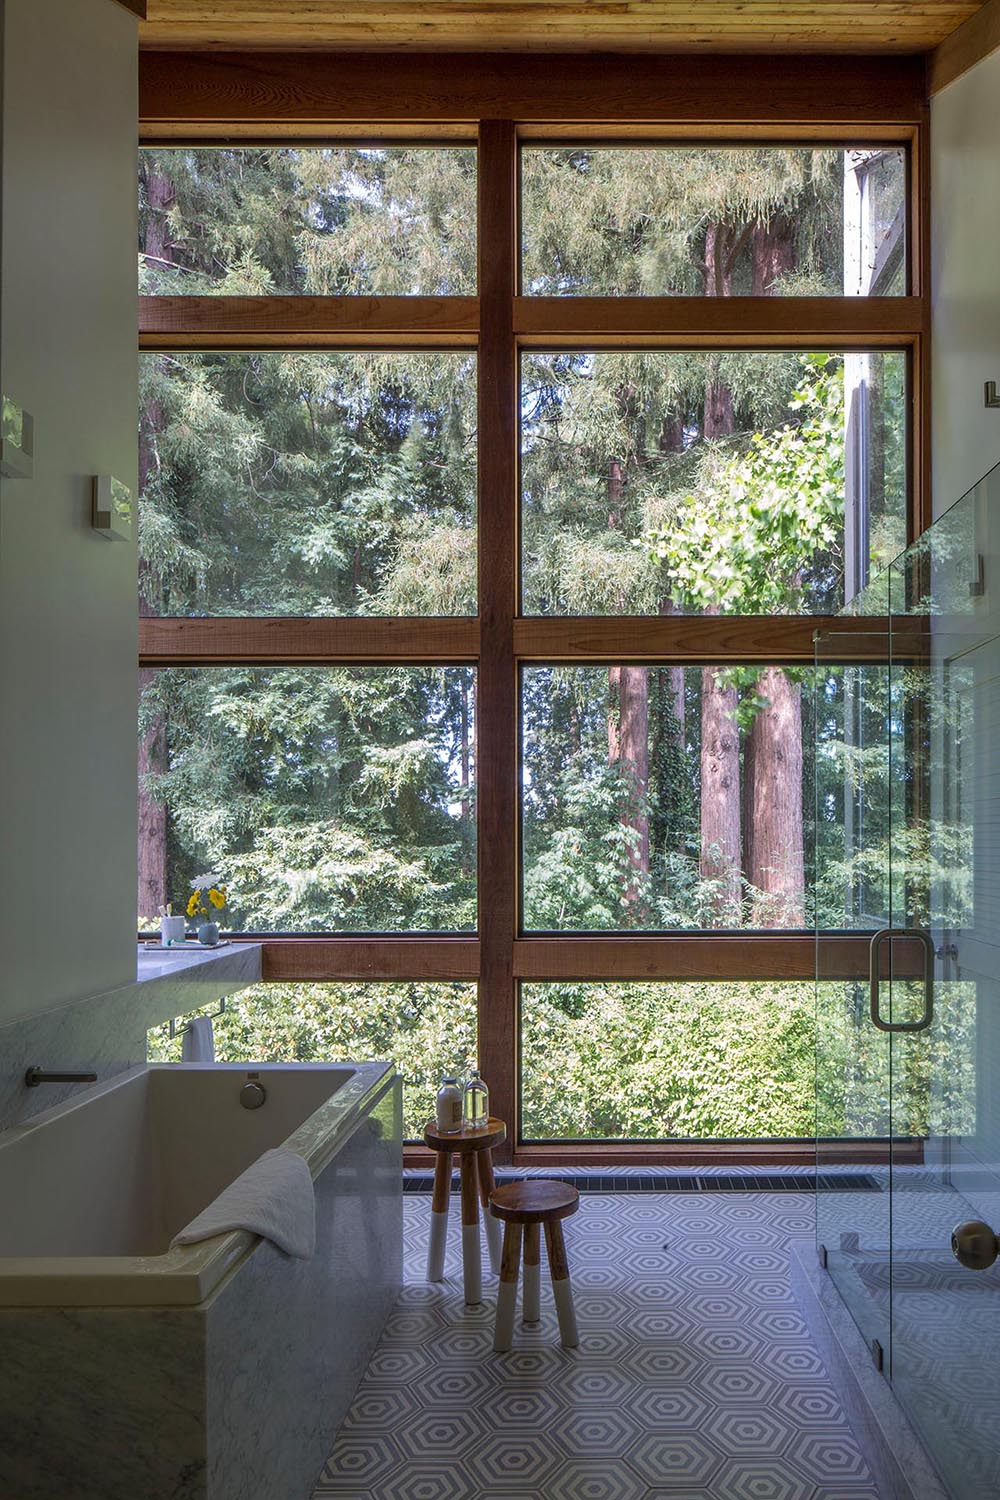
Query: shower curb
(895, 1455)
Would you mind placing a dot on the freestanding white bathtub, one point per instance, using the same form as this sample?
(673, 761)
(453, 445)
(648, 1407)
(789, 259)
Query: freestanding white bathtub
(217, 1371)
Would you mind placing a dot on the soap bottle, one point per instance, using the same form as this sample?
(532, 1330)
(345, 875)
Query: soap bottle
(477, 1102)
(449, 1106)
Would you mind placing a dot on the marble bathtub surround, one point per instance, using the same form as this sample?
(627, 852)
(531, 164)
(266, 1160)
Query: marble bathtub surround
(106, 1034)
(237, 1396)
(892, 1450)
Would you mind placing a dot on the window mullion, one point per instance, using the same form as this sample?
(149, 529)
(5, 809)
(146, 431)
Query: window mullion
(497, 687)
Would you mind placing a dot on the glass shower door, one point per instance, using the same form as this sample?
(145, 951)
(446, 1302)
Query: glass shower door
(944, 779)
(851, 883)
(907, 884)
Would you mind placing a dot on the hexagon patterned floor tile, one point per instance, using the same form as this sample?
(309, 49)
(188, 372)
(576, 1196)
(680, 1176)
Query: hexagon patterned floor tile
(695, 1378)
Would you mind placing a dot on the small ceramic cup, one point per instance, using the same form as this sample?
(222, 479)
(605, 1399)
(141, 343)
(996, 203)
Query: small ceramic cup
(171, 931)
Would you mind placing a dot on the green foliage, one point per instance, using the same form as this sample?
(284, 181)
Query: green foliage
(327, 799)
(634, 221)
(308, 483)
(425, 1029)
(745, 539)
(248, 221)
(320, 483)
(636, 1061)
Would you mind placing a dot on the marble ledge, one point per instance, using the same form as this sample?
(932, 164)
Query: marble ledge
(106, 1033)
(892, 1450)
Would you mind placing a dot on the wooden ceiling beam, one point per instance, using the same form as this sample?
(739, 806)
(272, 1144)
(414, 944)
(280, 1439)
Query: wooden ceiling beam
(976, 39)
(243, 90)
(577, 25)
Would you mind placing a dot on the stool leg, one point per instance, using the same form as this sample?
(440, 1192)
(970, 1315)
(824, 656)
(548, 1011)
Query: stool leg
(532, 1303)
(439, 1216)
(494, 1234)
(555, 1247)
(472, 1265)
(503, 1335)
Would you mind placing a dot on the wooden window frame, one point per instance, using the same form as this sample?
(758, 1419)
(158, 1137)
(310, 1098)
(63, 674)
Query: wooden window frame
(500, 102)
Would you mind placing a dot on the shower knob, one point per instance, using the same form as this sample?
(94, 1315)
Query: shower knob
(974, 1245)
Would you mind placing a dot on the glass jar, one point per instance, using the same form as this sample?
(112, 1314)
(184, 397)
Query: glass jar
(477, 1103)
(449, 1107)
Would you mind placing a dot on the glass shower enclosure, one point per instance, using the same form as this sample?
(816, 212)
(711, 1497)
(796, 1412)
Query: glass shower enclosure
(907, 885)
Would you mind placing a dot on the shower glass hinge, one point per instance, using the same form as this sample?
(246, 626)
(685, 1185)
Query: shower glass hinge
(877, 1354)
(823, 1258)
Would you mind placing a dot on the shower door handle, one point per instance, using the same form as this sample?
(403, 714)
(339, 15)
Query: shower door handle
(974, 1245)
(886, 935)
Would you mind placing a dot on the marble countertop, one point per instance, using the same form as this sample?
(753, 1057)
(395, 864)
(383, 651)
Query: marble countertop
(190, 959)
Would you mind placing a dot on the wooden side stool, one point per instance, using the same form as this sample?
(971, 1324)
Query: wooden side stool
(474, 1147)
(524, 1207)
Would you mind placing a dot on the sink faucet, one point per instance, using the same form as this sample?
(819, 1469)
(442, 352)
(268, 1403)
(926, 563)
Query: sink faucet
(34, 1076)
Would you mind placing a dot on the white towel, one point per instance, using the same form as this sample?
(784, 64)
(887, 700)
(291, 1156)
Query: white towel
(199, 1040)
(273, 1198)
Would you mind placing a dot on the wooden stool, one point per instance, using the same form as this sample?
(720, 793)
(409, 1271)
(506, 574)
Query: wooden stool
(474, 1148)
(524, 1206)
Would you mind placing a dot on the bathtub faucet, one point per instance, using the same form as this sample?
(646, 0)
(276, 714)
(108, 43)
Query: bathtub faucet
(34, 1076)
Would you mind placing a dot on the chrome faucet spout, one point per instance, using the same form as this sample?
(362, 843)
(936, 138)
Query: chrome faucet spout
(34, 1076)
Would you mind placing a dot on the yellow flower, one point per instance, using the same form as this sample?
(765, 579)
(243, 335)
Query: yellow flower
(192, 906)
(217, 897)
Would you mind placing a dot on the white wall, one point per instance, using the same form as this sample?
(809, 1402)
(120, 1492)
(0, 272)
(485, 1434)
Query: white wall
(965, 277)
(67, 596)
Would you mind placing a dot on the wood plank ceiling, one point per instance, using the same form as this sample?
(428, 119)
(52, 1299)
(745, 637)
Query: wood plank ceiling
(557, 25)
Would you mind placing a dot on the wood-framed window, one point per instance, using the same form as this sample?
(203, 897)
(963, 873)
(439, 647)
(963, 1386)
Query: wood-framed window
(524, 117)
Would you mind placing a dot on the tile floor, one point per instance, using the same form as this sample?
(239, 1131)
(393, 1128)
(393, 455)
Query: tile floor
(695, 1378)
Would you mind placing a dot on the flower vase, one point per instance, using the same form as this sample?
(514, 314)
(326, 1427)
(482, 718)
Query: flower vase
(208, 934)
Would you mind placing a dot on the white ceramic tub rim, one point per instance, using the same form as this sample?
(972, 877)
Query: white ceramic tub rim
(187, 1274)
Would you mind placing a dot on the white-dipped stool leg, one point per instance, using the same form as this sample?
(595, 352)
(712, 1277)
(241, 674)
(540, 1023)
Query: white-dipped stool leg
(436, 1247)
(439, 1216)
(472, 1262)
(494, 1234)
(494, 1242)
(566, 1313)
(503, 1335)
(531, 1296)
(559, 1270)
(472, 1265)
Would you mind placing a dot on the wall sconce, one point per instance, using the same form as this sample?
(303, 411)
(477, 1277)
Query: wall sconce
(17, 440)
(990, 397)
(112, 513)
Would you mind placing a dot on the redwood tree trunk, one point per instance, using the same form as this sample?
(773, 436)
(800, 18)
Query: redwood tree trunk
(628, 729)
(721, 852)
(720, 419)
(628, 747)
(774, 254)
(720, 797)
(775, 854)
(675, 676)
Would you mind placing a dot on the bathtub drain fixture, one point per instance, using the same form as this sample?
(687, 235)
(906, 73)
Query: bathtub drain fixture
(253, 1093)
